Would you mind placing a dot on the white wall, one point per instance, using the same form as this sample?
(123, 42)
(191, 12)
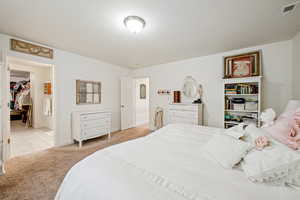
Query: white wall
(277, 65)
(141, 105)
(296, 66)
(39, 75)
(68, 67)
(277, 81)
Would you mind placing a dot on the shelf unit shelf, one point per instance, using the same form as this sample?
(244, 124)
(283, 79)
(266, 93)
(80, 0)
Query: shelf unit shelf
(230, 113)
(241, 94)
(231, 122)
(245, 111)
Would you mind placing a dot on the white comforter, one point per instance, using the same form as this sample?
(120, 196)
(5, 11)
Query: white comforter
(166, 165)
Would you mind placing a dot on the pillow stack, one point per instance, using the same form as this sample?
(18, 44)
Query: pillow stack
(275, 164)
(287, 127)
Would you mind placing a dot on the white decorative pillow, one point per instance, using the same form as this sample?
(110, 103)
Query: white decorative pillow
(226, 150)
(276, 164)
(268, 117)
(237, 131)
(252, 132)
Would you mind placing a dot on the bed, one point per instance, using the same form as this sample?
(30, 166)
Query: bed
(165, 165)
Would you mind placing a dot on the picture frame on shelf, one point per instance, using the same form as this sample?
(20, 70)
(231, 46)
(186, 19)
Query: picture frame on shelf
(243, 65)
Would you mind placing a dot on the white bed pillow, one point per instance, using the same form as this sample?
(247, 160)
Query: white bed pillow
(276, 164)
(237, 131)
(226, 150)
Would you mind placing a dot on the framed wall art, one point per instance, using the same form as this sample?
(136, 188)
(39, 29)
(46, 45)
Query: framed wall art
(28, 48)
(88, 92)
(242, 65)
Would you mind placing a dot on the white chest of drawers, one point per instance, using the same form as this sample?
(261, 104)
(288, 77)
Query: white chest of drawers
(90, 124)
(185, 113)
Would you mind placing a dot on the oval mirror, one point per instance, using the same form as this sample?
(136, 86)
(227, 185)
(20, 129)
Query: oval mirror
(190, 87)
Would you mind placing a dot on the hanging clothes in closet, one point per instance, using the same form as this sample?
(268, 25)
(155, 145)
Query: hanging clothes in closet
(21, 102)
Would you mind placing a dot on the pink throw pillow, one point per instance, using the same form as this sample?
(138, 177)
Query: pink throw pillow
(287, 129)
(290, 109)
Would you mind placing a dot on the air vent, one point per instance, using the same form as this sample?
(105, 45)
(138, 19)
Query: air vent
(289, 8)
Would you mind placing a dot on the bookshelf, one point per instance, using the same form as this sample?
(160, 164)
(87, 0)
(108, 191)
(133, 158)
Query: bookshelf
(242, 101)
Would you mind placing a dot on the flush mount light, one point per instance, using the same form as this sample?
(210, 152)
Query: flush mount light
(287, 9)
(134, 24)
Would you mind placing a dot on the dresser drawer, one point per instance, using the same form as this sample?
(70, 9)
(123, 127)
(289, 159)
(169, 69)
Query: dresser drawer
(94, 116)
(97, 131)
(184, 108)
(94, 123)
(174, 119)
(183, 114)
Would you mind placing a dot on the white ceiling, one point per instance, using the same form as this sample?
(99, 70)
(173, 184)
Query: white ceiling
(175, 29)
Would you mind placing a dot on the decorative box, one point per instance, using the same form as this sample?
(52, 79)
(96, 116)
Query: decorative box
(251, 106)
(238, 106)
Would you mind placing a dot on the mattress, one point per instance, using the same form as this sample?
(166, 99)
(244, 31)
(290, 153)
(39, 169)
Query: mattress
(168, 164)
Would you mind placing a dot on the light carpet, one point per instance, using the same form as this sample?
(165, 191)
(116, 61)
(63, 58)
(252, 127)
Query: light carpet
(37, 176)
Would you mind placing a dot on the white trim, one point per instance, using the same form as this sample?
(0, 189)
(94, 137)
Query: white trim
(54, 95)
(243, 80)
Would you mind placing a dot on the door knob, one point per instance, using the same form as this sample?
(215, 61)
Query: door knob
(122, 106)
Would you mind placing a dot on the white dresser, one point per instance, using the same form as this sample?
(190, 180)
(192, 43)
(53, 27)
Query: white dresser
(90, 124)
(185, 113)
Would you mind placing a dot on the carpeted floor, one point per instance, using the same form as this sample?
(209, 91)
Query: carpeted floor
(37, 176)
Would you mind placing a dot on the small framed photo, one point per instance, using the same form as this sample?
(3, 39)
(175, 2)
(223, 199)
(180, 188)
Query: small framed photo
(243, 65)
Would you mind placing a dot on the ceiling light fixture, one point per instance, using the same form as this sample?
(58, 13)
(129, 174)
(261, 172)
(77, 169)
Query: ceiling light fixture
(287, 9)
(134, 24)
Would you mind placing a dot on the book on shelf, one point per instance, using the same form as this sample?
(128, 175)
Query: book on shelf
(241, 88)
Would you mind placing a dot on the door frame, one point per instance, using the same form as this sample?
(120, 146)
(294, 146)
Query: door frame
(53, 71)
(126, 103)
(5, 121)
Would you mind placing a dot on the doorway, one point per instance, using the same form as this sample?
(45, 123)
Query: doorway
(141, 102)
(31, 106)
(135, 97)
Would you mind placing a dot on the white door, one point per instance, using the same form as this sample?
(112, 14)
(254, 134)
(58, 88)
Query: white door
(5, 111)
(126, 103)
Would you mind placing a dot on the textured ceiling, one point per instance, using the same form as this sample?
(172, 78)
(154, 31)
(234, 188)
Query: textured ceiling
(175, 29)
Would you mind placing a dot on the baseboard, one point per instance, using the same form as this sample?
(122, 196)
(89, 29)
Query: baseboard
(64, 144)
(142, 123)
(73, 142)
(2, 169)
